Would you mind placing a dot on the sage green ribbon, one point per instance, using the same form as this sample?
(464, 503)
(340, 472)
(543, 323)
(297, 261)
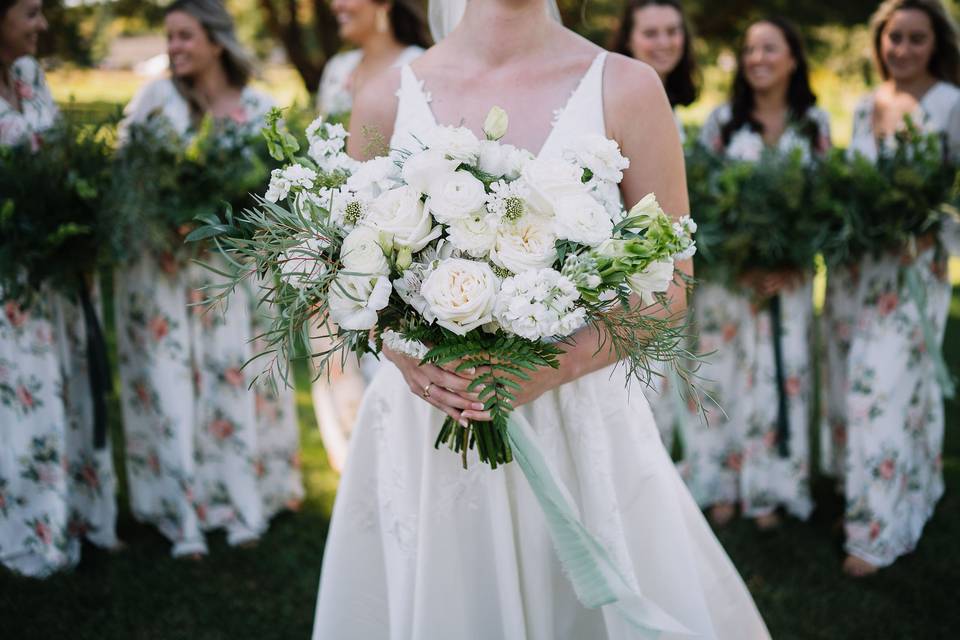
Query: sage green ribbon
(596, 578)
(918, 294)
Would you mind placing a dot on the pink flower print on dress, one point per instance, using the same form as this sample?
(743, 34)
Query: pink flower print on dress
(842, 330)
(734, 461)
(295, 460)
(143, 395)
(239, 115)
(875, 529)
(233, 377)
(221, 429)
(259, 469)
(24, 91)
(792, 386)
(15, 314)
(770, 439)
(25, 397)
(887, 469)
(159, 328)
(887, 303)
(43, 532)
(89, 476)
(196, 299)
(730, 331)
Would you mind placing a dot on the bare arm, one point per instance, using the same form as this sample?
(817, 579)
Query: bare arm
(373, 115)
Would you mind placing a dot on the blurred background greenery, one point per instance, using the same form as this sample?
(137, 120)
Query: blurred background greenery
(99, 52)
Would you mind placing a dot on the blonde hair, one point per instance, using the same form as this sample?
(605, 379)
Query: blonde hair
(945, 60)
(218, 24)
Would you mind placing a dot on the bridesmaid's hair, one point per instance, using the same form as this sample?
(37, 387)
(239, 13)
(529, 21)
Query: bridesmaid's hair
(218, 25)
(5, 6)
(681, 83)
(800, 96)
(409, 23)
(945, 61)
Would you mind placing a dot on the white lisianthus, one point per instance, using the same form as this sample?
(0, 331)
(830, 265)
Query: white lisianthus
(582, 219)
(745, 145)
(401, 213)
(455, 195)
(456, 143)
(361, 253)
(396, 342)
(496, 123)
(538, 304)
(302, 265)
(461, 294)
(523, 244)
(647, 208)
(421, 169)
(503, 160)
(408, 286)
(687, 224)
(474, 234)
(600, 155)
(355, 300)
(373, 177)
(656, 278)
(550, 181)
(282, 181)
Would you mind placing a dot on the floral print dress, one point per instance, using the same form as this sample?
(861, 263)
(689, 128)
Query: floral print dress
(735, 457)
(888, 433)
(56, 487)
(203, 450)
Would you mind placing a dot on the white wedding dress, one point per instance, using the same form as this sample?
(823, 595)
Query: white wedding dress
(420, 548)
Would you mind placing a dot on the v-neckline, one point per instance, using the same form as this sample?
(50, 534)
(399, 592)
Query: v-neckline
(558, 113)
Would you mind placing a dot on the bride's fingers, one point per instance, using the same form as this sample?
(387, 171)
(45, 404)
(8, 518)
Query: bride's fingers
(421, 385)
(477, 416)
(445, 379)
(452, 368)
(455, 400)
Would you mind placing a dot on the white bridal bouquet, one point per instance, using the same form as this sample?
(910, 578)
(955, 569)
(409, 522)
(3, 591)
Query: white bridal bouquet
(462, 251)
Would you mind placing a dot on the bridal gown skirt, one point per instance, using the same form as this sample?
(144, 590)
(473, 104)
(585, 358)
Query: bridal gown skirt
(420, 548)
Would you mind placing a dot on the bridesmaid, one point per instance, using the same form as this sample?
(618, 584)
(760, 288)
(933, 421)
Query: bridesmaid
(657, 32)
(56, 485)
(738, 457)
(894, 405)
(386, 33)
(203, 450)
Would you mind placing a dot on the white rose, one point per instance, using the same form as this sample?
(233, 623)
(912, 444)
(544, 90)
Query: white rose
(526, 243)
(582, 219)
(461, 293)
(401, 213)
(455, 195)
(503, 160)
(355, 300)
(474, 234)
(457, 143)
(656, 278)
(550, 181)
(373, 177)
(361, 253)
(496, 123)
(302, 265)
(421, 169)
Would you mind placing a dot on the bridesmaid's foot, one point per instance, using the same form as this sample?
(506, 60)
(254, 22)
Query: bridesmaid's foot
(768, 522)
(858, 567)
(721, 514)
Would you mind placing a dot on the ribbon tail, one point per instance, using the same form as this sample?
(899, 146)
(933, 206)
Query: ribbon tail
(783, 416)
(919, 296)
(596, 578)
(98, 367)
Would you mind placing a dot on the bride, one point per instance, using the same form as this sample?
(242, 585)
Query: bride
(420, 548)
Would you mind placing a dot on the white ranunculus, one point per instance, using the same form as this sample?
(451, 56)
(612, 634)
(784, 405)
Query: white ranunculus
(355, 300)
(600, 155)
(421, 169)
(456, 143)
(503, 160)
(455, 195)
(474, 234)
(526, 243)
(550, 181)
(582, 219)
(302, 265)
(361, 253)
(401, 213)
(373, 177)
(496, 123)
(656, 278)
(461, 294)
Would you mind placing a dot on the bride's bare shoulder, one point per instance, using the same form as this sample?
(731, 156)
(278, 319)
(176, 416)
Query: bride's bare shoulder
(373, 115)
(632, 88)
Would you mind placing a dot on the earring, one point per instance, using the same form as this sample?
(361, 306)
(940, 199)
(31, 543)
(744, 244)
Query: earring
(383, 23)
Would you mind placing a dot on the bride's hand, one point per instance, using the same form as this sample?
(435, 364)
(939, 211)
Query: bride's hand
(443, 389)
(542, 380)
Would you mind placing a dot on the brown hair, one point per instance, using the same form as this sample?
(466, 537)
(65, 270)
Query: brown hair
(945, 61)
(409, 23)
(681, 83)
(218, 25)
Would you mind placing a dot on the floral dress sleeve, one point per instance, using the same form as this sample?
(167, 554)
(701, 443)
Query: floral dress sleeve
(711, 135)
(38, 110)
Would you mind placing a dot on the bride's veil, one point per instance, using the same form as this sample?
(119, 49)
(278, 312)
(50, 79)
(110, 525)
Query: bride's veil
(446, 14)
